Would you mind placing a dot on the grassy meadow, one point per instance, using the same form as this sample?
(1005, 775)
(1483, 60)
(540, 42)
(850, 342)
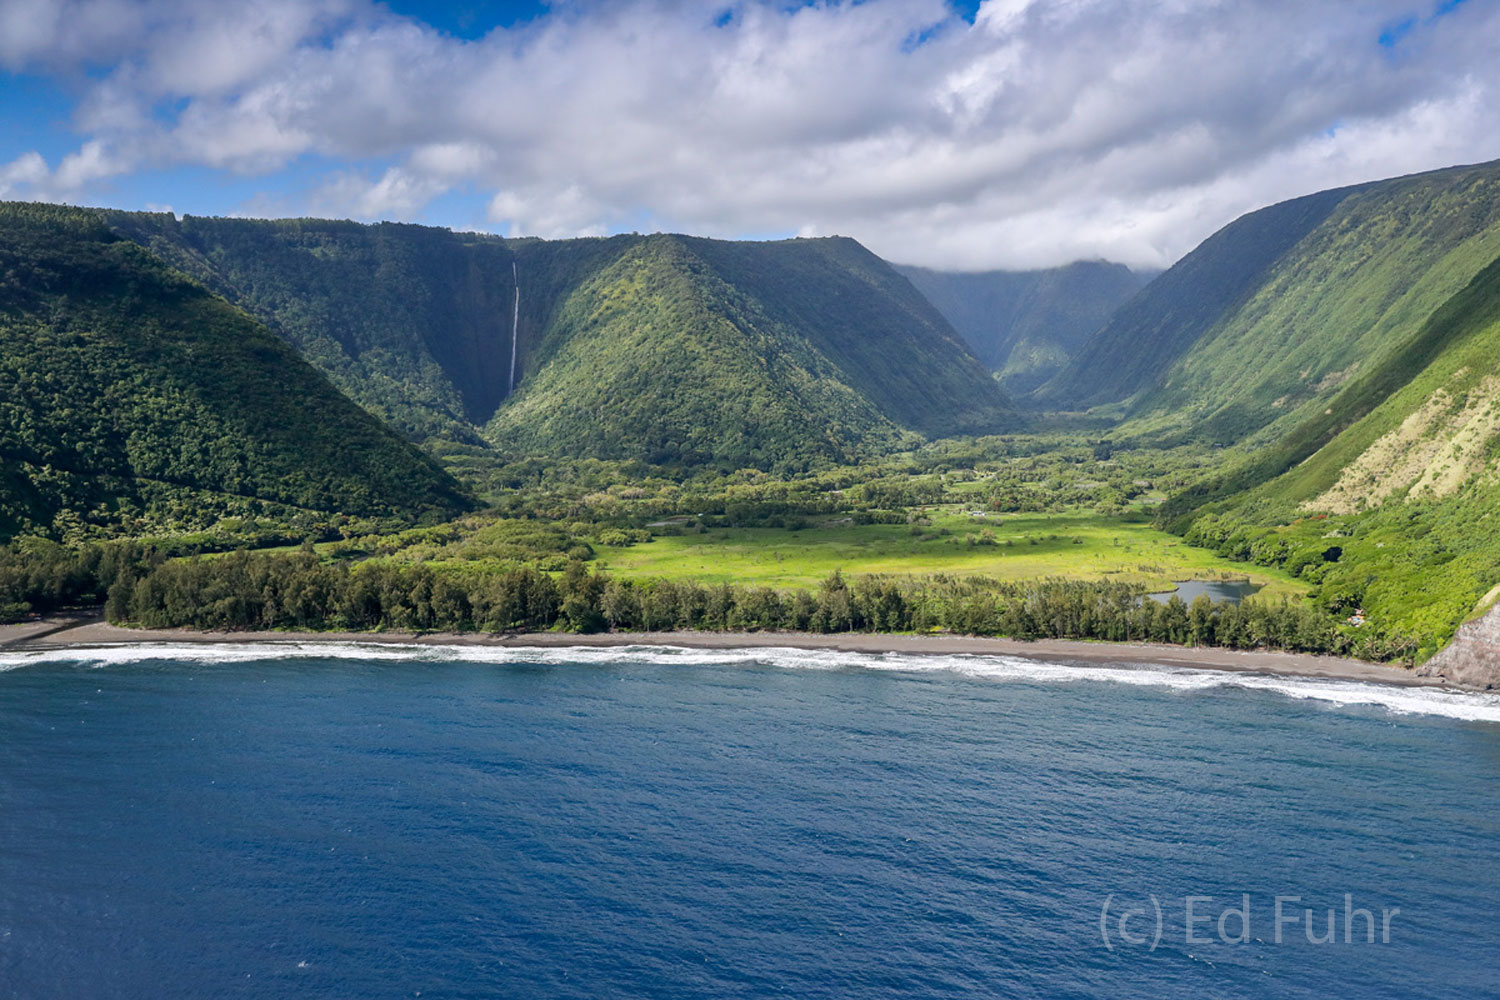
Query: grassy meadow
(1078, 544)
(1005, 510)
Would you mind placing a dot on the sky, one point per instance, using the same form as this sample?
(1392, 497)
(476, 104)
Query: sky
(995, 134)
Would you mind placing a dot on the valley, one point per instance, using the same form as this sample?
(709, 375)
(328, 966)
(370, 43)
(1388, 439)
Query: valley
(878, 499)
(316, 424)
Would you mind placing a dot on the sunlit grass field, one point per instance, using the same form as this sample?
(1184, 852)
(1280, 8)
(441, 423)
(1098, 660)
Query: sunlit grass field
(1081, 545)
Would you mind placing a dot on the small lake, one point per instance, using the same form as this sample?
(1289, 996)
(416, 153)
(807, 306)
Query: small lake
(1217, 590)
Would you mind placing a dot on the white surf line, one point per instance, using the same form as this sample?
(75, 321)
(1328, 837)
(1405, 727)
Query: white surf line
(1460, 705)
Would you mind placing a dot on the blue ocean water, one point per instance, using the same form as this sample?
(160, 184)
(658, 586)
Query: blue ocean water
(339, 821)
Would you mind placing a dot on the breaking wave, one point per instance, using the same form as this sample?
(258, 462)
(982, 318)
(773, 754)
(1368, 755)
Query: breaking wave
(1468, 706)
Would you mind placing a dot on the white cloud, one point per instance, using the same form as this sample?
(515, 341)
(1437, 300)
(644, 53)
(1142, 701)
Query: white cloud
(1043, 132)
(28, 176)
(90, 163)
(27, 169)
(452, 160)
(396, 194)
(549, 212)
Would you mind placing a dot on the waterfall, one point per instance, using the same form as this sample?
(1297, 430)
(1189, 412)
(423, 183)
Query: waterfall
(515, 325)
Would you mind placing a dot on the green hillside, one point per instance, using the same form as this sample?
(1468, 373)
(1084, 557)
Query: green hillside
(1389, 499)
(1026, 325)
(804, 357)
(126, 388)
(1149, 333)
(887, 342)
(414, 323)
(411, 322)
(1354, 272)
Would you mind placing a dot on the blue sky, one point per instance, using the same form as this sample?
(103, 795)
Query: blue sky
(470, 20)
(1007, 133)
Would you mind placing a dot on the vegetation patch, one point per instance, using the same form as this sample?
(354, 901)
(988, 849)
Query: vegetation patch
(1441, 445)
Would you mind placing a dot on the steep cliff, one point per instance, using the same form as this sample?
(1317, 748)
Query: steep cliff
(1472, 659)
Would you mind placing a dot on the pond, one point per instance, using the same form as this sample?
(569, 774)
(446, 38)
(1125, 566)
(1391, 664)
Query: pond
(1217, 590)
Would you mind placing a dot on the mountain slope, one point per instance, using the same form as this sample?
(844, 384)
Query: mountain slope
(1026, 325)
(1150, 332)
(415, 324)
(889, 344)
(1389, 499)
(411, 322)
(1368, 265)
(659, 357)
(118, 374)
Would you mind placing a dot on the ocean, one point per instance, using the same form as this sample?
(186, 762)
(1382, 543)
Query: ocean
(326, 820)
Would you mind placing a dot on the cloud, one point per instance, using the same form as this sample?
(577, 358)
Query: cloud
(1040, 133)
(26, 171)
(28, 176)
(395, 194)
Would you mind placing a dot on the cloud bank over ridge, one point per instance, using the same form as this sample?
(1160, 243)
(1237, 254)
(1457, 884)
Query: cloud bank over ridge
(1040, 132)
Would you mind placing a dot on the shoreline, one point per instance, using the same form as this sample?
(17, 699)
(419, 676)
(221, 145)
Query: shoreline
(83, 631)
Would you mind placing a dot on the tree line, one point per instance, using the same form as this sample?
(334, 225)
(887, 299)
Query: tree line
(298, 590)
(38, 577)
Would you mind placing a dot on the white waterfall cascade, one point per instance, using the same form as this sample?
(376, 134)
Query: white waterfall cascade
(515, 325)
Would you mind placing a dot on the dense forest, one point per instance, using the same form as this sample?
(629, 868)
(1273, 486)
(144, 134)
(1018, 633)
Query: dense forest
(680, 350)
(129, 393)
(301, 590)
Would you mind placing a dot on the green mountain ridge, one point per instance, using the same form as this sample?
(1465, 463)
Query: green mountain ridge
(1260, 327)
(888, 342)
(1345, 346)
(1389, 498)
(1146, 335)
(610, 384)
(364, 304)
(126, 387)
(415, 324)
(1027, 325)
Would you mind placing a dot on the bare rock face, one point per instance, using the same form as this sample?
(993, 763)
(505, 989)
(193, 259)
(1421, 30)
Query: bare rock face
(1472, 659)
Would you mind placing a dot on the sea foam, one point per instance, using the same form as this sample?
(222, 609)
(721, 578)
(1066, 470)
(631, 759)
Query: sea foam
(1467, 706)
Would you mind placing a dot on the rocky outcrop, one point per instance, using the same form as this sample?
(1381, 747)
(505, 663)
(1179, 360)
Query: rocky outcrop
(1472, 659)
